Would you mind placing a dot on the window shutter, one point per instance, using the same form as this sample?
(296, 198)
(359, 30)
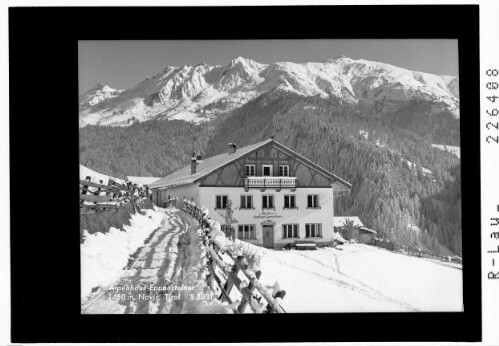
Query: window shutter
(271, 201)
(316, 200)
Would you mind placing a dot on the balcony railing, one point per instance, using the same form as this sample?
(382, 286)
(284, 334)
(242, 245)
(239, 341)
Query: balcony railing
(270, 183)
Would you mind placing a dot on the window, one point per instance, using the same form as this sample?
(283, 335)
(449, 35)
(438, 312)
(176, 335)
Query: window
(246, 232)
(267, 170)
(250, 170)
(313, 230)
(289, 201)
(267, 201)
(221, 201)
(290, 231)
(246, 202)
(284, 171)
(313, 201)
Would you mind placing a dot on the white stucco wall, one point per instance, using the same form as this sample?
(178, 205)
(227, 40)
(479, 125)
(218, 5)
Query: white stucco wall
(300, 216)
(190, 192)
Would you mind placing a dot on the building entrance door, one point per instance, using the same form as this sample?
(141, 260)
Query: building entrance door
(268, 236)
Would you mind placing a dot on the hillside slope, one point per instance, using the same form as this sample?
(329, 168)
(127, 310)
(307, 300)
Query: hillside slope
(361, 278)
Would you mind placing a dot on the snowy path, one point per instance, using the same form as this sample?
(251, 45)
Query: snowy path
(156, 265)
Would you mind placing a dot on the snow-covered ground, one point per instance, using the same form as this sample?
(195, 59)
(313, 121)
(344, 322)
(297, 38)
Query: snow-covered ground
(162, 278)
(142, 180)
(96, 177)
(426, 171)
(361, 278)
(103, 256)
(449, 148)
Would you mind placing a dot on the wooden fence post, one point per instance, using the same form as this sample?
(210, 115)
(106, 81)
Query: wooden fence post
(229, 284)
(251, 288)
(84, 190)
(96, 193)
(110, 183)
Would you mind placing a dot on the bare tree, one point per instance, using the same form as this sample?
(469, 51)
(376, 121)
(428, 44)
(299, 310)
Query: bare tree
(228, 214)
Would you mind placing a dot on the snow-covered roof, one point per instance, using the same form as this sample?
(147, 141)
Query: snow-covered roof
(365, 229)
(211, 164)
(339, 221)
(142, 180)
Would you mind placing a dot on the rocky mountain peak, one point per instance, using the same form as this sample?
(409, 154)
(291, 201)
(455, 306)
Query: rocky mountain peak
(201, 92)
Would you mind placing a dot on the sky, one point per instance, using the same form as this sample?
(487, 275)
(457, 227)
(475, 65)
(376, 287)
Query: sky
(122, 64)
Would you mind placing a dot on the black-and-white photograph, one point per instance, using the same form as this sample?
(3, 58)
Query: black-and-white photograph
(270, 176)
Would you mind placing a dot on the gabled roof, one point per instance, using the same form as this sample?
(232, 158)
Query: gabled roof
(339, 221)
(207, 166)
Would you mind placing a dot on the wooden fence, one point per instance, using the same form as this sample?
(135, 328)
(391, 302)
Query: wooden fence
(226, 270)
(97, 197)
(414, 252)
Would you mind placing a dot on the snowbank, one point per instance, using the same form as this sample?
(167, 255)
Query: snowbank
(142, 180)
(95, 177)
(195, 273)
(449, 148)
(360, 278)
(103, 256)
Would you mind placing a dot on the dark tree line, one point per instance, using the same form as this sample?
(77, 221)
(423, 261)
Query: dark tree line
(152, 148)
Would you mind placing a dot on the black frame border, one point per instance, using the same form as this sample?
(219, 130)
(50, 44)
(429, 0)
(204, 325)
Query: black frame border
(43, 63)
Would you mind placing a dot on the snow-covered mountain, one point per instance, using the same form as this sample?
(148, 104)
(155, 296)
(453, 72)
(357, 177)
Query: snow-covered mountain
(97, 95)
(199, 93)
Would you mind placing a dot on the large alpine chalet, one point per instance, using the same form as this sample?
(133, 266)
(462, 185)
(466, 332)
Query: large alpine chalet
(280, 197)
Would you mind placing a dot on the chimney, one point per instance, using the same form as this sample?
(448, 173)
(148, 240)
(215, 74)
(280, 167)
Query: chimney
(232, 148)
(193, 164)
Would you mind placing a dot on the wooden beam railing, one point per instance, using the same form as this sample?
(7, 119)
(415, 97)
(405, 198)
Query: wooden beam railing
(414, 252)
(226, 269)
(98, 197)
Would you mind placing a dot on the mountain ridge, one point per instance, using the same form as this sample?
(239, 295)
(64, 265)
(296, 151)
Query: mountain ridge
(202, 92)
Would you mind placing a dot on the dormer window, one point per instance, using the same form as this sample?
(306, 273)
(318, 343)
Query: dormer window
(250, 170)
(283, 170)
(267, 170)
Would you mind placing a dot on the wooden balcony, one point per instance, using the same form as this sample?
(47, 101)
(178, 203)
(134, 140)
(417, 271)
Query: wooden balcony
(276, 183)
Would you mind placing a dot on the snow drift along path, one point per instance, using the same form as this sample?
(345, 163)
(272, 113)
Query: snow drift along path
(104, 255)
(156, 264)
